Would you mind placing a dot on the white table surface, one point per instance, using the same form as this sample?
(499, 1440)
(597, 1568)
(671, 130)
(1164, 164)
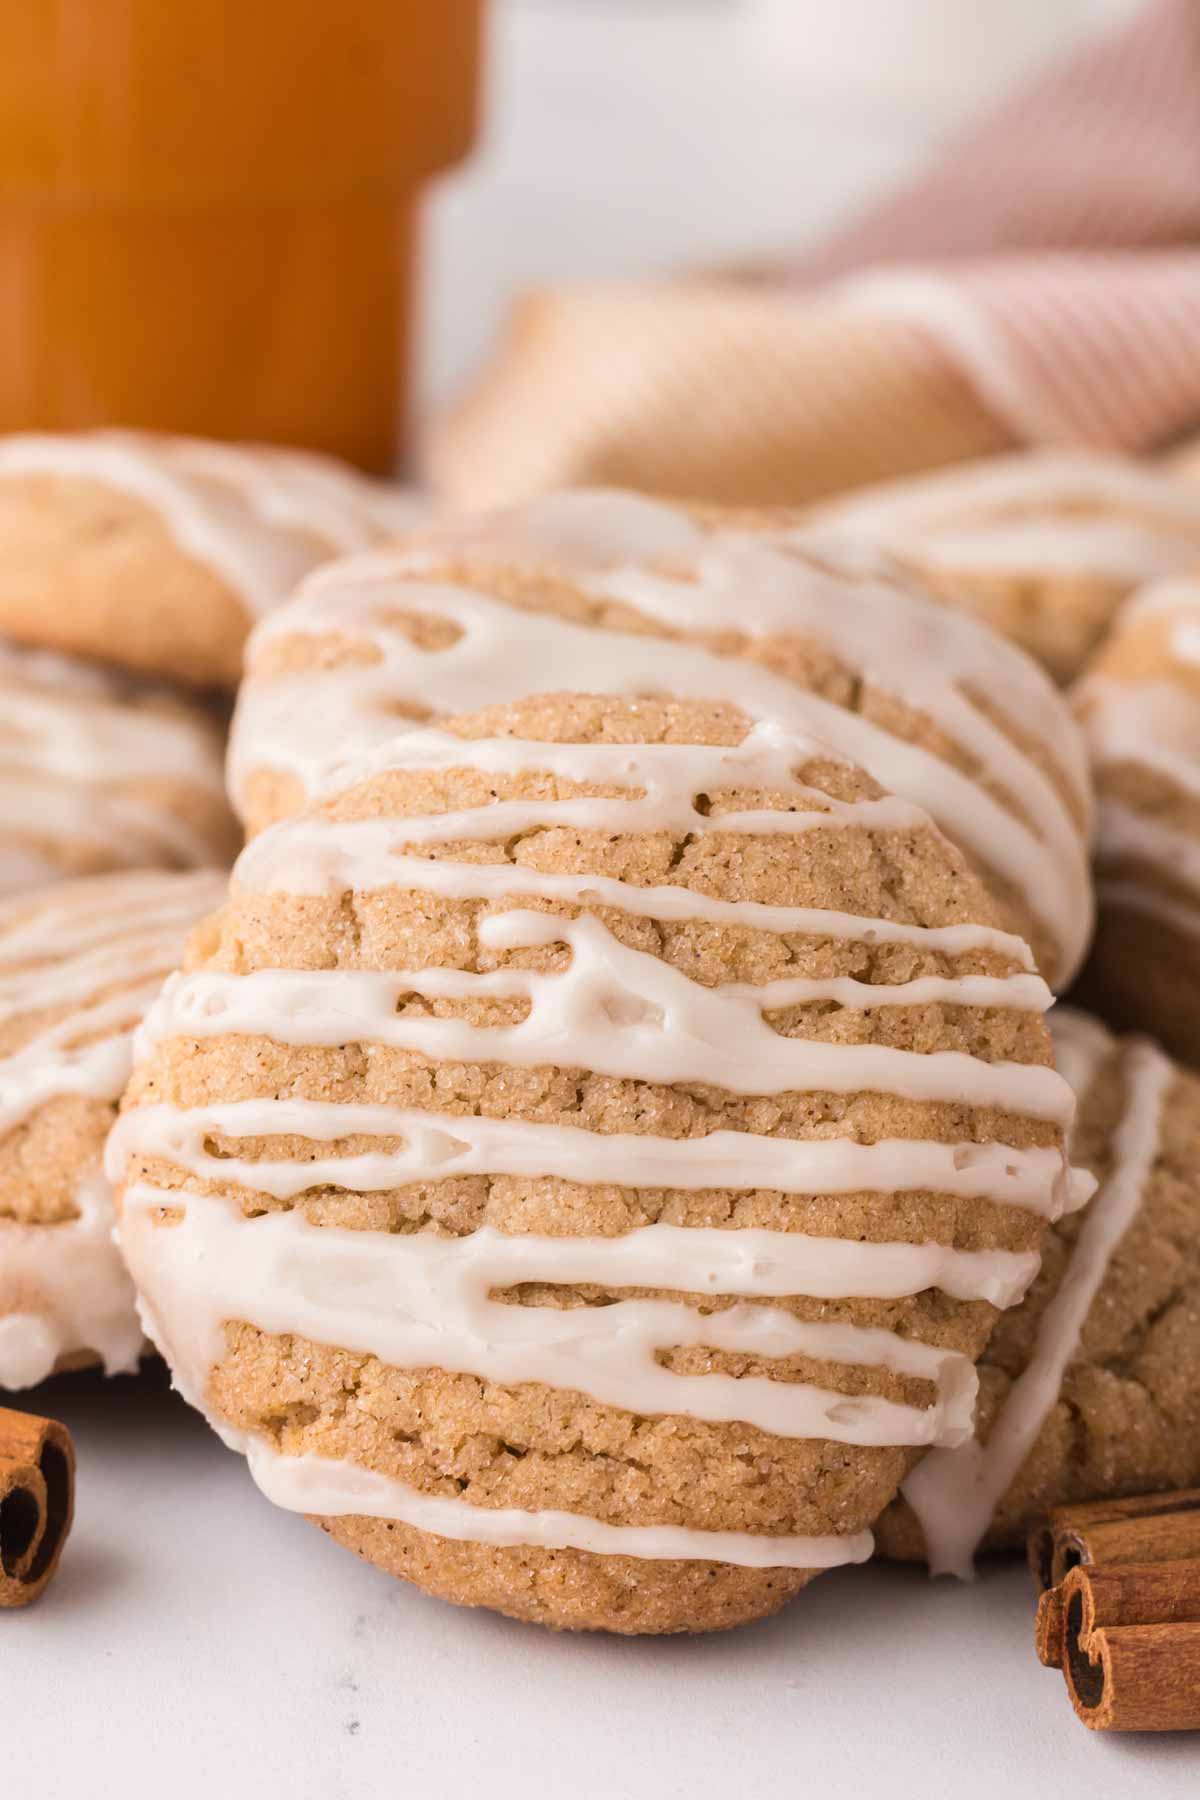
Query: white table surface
(198, 1643)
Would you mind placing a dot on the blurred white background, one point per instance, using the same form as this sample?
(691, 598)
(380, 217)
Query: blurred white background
(622, 136)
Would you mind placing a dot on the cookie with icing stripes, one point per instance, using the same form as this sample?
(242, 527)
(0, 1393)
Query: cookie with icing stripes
(1139, 704)
(1088, 1389)
(632, 596)
(79, 964)
(1044, 545)
(582, 1162)
(158, 553)
(99, 771)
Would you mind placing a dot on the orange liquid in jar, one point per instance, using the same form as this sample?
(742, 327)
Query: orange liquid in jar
(208, 211)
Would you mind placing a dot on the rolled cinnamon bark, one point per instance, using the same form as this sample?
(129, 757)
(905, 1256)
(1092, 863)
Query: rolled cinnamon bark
(37, 1503)
(1048, 1629)
(1145, 1528)
(1130, 1645)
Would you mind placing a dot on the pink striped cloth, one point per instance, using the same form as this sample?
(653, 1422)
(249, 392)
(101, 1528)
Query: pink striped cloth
(1039, 285)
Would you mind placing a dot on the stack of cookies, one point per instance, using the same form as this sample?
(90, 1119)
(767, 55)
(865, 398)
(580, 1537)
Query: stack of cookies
(131, 569)
(603, 1156)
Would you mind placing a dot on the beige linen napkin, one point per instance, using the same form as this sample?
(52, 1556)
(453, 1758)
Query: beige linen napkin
(1040, 285)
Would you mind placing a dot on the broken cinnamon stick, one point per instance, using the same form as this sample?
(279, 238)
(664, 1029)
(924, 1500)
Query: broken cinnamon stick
(37, 1502)
(1146, 1528)
(1130, 1643)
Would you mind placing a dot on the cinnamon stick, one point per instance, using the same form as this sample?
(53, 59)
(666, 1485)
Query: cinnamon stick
(1048, 1629)
(37, 1502)
(1130, 1644)
(1145, 1528)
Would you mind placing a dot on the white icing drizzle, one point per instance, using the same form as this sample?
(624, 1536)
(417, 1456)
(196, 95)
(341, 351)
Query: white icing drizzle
(761, 1264)
(68, 717)
(327, 1489)
(54, 1062)
(905, 643)
(418, 1301)
(925, 654)
(955, 1491)
(260, 518)
(1155, 724)
(658, 787)
(134, 950)
(1179, 595)
(1082, 1046)
(318, 856)
(1057, 512)
(1136, 897)
(1152, 725)
(300, 490)
(310, 1006)
(63, 1287)
(617, 1012)
(1131, 836)
(1117, 551)
(440, 1145)
(70, 739)
(575, 529)
(111, 919)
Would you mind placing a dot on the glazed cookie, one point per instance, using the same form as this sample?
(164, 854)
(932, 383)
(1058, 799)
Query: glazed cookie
(157, 553)
(642, 598)
(1043, 545)
(1089, 1389)
(581, 1163)
(79, 964)
(1139, 703)
(98, 772)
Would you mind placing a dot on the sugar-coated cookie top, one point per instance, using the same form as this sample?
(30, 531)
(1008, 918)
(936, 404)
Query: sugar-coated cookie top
(636, 596)
(1077, 1403)
(1034, 512)
(157, 553)
(641, 997)
(257, 515)
(79, 964)
(97, 771)
(1139, 703)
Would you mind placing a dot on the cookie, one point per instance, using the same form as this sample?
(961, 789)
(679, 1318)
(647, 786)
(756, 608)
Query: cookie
(580, 1164)
(1139, 703)
(638, 597)
(79, 964)
(1089, 1389)
(100, 772)
(157, 553)
(1044, 545)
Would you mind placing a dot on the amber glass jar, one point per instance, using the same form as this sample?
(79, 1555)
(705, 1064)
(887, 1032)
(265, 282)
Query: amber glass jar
(208, 210)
